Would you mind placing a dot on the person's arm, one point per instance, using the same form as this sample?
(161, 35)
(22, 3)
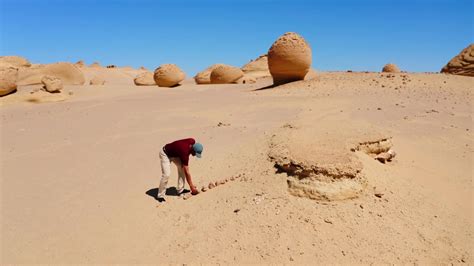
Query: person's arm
(189, 179)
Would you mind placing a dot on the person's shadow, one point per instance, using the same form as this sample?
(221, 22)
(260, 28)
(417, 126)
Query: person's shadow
(171, 191)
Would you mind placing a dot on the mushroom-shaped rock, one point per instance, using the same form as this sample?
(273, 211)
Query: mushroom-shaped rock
(289, 58)
(168, 75)
(6, 87)
(204, 77)
(391, 68)
(225, 74)
(67, 72)
(462, 64)
(97, 81)
(144, 79)
(14, 61)
(52, 84)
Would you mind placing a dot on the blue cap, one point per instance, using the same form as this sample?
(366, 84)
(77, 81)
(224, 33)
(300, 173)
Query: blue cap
(197, 147)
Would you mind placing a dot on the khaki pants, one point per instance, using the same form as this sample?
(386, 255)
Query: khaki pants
(166, 172)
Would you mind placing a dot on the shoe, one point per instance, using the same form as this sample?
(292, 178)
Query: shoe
(160, 199)
(184, 191)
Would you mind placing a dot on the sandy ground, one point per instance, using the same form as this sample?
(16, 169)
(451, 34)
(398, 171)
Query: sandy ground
(77, 175)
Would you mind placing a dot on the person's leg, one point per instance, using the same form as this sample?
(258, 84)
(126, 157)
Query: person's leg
(165, 174)
(181, 176)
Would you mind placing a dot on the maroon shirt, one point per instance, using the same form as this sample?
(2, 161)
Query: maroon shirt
(181, 149)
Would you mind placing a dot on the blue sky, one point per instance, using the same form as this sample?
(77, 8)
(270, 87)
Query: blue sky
(418, 35)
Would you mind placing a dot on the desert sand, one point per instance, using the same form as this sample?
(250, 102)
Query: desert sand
(295, 168)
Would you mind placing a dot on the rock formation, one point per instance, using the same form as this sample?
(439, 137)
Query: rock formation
(204, 77)
(257, 68)
(80, 63)
(225, 74)
(67, 72)
(6, 87)
(52, 84)
(168, 75)
(461, 64)
(14, 61)
(96, 80)
(289, 58)
(144, 79)
(95, 64)
(391, 68)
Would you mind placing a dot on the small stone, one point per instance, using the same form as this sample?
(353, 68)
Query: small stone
(378, 195)
(236, 210)
(328, 221)
(204, 189)
(186, 196)
(211, 185)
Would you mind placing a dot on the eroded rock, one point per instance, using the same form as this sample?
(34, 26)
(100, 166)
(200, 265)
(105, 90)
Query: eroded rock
(461, 64)
(168, 75)
(391, 68)
(52, 84)
(225, 74)
(144, 79)
(289, 58)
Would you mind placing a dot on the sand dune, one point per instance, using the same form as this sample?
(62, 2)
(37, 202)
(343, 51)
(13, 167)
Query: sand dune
(77, 175)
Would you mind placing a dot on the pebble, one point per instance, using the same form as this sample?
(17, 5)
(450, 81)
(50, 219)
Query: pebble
(211, 185)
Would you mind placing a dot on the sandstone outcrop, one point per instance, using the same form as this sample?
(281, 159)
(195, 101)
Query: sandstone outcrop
(97, 81)
(144, 79)
(204, 77)
(14, 61)
(6, 87)
(391, 68)
(461, 64)
(289, 58)
(257, 68)
(67, 72)
(52, 84)
(168, 75)
(226, 74)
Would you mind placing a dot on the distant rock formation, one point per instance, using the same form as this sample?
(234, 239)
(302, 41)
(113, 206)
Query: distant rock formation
(97, 81)
(168, 75)
(391, 68)
(257, 68)
(144, 79)
(95, 64)
(80, 63)
(204, 77)
(461, 64)
(289, 58)
(225, 74)
(52, 84)
(111, 66)
(67, 72)
(14, 61)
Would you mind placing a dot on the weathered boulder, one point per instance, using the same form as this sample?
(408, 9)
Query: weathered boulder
(204, 77)
(390, 68)
(226, 74)
(144, 79)
(67, 72)
(168, 75)
(9, 74)
(7, 87)
(289, 58)
(14, 61)
(52, 84)
(97, 80)
(461, 64)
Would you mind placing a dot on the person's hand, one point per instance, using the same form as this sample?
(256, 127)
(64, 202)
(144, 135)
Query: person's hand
(194, 191)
